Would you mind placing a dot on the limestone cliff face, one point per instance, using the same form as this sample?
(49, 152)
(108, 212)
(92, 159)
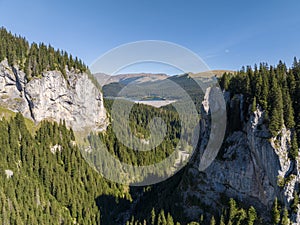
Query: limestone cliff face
(252, 167)
(74, 99)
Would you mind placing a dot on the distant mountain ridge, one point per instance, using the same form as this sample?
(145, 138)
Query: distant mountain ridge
(143, 85)
(104, 79)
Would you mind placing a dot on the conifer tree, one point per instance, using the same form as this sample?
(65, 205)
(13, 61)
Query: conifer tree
(152, 216)
(291, 83)
(253, 108)
(288, 109)
(224, 81)
(222, 221)
(169, 220)
(275, 213)
(276, 106)
(232, 211)
(295, 202)
(213, 221)
(285, 218)
(161, 218)
(252, 216)
(294, 147)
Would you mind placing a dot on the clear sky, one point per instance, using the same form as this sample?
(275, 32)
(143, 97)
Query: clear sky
(226, 34)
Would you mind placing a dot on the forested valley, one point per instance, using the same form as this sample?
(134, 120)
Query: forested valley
(44, 179)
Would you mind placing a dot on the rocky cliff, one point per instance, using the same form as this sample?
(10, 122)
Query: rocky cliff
(73, 98)
(252, 167)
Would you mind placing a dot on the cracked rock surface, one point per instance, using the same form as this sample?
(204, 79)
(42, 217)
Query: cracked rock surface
(74, 99)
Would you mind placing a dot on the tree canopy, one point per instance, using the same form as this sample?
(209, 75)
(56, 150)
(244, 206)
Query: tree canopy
(36, 58)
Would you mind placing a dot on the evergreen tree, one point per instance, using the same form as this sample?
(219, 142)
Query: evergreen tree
(213, 221)
(201, 219)
(263, 98)
(222, 221)
(295, 202)
(288, 109)
(258, 87)
(224, 81)
(276, 106)
(169, 220)
(232, 210)
(275, 213)
(285, 218)
(291, 83)
(152, 216)
(294, 147)
(161, 218)
(254, 104)
(252, 216)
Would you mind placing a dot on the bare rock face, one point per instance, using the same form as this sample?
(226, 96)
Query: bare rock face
(74, 99)
(11, 86)
(252, 167)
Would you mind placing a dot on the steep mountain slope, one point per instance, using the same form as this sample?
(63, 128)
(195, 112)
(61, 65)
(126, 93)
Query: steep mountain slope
(258, 164)
(44, 83)
(253, 167)
(45, 180)
(51, 96)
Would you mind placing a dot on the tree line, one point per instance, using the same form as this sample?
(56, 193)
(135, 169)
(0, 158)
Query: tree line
(232, 215)
(276, 89)
(35, 58)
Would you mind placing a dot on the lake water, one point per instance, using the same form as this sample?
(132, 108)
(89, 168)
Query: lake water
(153, 102)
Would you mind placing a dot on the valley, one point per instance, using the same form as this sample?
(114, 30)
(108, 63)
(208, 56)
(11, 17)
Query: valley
(60, 133)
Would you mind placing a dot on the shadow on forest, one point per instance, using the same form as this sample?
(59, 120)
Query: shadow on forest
(116, 211)
(112, 209)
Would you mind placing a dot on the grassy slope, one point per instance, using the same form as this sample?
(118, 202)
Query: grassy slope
(7, 114)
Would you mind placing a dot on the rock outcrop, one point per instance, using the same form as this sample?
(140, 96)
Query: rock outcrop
(51, 96)
(252, 167)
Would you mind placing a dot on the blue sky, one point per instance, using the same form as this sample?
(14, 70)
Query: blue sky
(225, 34)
